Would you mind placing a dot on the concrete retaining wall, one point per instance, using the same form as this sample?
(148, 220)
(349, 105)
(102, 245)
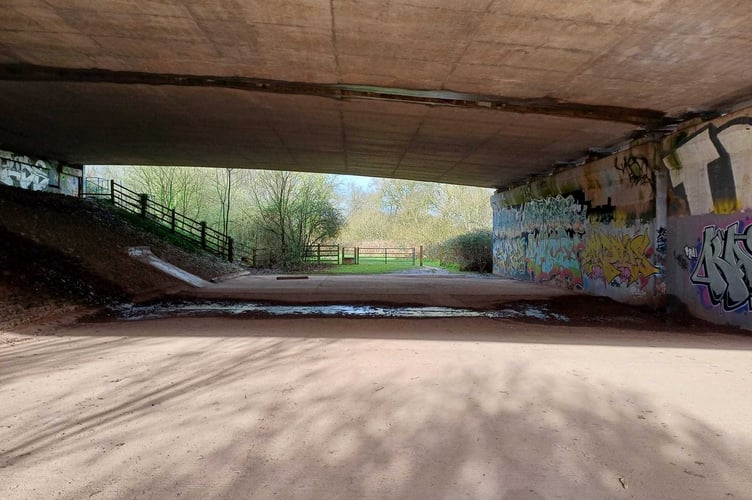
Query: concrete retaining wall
(709, 264)
(590, 228)
(40, 175)
(662, 223)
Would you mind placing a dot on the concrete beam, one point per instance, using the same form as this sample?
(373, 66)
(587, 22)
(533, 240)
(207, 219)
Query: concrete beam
(542, 105)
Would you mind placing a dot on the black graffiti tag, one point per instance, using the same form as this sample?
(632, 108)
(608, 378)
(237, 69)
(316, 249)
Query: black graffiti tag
(725, 265)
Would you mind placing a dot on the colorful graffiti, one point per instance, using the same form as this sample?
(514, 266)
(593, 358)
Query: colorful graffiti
(540, 240)
(21, 171)
(619, 260)
(723, 265)
(554, 215)
(509, 257)
(554, 260)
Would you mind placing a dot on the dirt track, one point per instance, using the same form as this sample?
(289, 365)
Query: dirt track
(374, 408)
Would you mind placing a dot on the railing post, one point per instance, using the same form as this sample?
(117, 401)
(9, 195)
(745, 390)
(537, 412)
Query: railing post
(144, 201)
(172, 220)
(203, 235)
(112, 190)
(421, 256)
(230, 249)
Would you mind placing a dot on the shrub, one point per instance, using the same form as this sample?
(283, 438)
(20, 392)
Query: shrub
(471, 251)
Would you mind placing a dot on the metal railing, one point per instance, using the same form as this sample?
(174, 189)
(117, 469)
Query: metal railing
(188, 229)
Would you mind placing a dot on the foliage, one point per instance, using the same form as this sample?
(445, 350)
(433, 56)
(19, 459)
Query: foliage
(286, 211)
(470, 252)
(409, 213)
(290, 211)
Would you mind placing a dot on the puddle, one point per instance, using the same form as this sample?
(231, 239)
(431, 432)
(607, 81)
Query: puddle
(131, 312)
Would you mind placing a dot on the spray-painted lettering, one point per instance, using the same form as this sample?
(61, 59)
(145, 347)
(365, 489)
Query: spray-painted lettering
(21, 171)
(618, 259)
(724, 265)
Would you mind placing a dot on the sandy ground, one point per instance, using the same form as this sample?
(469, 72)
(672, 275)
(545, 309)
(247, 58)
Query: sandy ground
(473, 291)
(374, 408)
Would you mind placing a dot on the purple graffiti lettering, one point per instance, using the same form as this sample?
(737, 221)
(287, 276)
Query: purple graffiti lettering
(724, 265)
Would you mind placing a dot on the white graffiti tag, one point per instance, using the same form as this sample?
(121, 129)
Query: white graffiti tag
(725, 265)
(20, 172)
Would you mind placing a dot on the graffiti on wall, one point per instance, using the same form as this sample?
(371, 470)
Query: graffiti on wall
(619, 260)
(722, 265)
(21, 171)
(708, 169)
(540, 241)
(509, 257)
(636, 169)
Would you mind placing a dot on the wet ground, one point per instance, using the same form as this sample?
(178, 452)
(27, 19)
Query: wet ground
(197, 308)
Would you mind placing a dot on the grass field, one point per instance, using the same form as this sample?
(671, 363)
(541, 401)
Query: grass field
(371, 266)
(375, 265)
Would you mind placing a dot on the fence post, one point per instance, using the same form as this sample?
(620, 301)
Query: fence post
(343, 255)
(385, 261)
(421, 256)
(253, 256)
(112, 190)
(318, 253)
(413, 255)
(144, 201)
(357, 255)
(172, 220)
(230, 249)
(338, 261)
(203, 235)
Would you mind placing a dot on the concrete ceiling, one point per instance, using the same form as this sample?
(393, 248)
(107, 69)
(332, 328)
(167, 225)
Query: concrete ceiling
(473, 92)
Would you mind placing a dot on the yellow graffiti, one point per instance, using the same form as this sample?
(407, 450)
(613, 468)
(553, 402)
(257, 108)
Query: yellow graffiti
(726, 206)
(618, 258)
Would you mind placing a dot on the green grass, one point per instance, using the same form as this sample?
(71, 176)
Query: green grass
(451, 267)
(370, 266)
(376, 265)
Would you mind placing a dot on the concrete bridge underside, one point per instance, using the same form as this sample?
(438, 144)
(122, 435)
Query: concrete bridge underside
(480, 92)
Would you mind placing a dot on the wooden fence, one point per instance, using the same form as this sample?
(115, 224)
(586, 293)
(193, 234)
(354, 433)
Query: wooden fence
(356, 255)
(188, 229)
(265, 257)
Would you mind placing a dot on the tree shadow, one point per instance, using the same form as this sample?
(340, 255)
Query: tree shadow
(253, 416)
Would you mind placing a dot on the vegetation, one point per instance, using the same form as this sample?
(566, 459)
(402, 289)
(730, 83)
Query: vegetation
(469, 252)
(291, 211)
(287, 211)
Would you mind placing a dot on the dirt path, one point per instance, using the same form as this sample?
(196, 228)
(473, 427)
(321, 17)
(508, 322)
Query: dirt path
(342, 408)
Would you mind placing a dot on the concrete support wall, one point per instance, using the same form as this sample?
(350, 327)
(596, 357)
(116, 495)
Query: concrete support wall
(40, 175)
(709, 263)
(662, 223)
(590, 228)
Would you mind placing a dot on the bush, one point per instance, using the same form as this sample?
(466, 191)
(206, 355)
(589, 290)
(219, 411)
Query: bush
(471, 252)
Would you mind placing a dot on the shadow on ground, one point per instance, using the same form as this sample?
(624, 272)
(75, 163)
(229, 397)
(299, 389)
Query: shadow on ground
(302, 416)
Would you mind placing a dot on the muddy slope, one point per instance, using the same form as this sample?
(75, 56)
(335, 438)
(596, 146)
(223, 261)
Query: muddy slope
(61, 250)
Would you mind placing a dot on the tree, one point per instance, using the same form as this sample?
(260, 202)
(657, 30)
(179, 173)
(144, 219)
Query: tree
(224, 188)
(178, 188)
(292, 211)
